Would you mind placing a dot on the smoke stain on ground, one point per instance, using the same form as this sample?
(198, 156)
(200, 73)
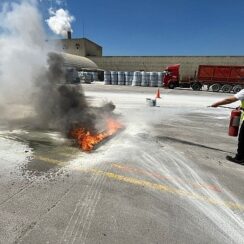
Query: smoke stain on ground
(171, 139)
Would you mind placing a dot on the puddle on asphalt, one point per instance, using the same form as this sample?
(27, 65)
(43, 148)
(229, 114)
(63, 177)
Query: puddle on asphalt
(49, 151)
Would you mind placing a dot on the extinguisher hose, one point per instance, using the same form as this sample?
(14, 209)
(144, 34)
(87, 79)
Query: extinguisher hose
(226, 107)
(238, 108)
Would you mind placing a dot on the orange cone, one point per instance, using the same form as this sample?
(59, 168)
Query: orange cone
(158, 93)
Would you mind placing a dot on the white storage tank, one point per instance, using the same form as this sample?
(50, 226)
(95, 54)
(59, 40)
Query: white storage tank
(136, 78)
(121, 78)
(114, 77)
(107, 77)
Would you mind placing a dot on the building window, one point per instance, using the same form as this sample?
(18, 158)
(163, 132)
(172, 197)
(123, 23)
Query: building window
(77, 45)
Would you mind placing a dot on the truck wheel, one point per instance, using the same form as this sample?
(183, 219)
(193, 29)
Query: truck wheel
(237, 88)
(226, 88)
(215, 87)
(196, 86)
(171, 85)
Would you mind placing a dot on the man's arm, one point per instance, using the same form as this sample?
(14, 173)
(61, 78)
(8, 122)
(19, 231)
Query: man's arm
(225, 101)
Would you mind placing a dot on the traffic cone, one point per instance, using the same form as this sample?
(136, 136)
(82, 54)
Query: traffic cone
(158, 93)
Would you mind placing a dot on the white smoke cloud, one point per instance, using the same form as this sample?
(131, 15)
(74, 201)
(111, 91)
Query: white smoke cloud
(23, 49)
(59, 2)
(60, 21)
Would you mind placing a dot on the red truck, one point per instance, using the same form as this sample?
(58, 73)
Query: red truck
(216, 77)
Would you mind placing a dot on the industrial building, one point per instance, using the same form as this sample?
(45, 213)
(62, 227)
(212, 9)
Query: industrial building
(89, 49)
(79, 46)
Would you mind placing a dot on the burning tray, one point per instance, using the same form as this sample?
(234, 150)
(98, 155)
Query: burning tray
(87, 140)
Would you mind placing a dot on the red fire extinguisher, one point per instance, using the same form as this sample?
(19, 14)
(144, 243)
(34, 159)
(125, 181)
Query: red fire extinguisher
(235, 119)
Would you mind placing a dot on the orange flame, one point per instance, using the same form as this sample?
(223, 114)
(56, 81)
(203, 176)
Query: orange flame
(87, 141)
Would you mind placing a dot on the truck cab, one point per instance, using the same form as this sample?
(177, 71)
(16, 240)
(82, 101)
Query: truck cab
(172, 76)
(173, 79)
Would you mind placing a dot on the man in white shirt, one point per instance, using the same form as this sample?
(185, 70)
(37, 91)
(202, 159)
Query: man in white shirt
(239, 158)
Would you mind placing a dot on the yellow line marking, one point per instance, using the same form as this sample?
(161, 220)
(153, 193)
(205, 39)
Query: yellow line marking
(160, 176)
(148, 184)
(165, 188)
(66, 154)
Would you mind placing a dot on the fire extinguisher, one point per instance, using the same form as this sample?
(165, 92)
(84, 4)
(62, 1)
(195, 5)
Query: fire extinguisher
(235, 119)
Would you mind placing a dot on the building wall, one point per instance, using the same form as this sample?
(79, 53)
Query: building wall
(189, 64)
(92, 49)
(80, 47)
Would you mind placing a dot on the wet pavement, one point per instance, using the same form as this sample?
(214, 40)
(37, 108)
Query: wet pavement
(164, 179)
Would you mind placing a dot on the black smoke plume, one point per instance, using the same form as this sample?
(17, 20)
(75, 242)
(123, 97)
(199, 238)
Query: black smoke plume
(63, 106)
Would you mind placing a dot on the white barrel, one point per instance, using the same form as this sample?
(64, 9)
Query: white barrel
(136, 78)
(85, 77)
(128, 78)
(160, 79)
(88, 77)
(114, 77)
(121, 78)
(153, 79)
(145, 78)
(107, 77)
(80, 74)
(95, 76)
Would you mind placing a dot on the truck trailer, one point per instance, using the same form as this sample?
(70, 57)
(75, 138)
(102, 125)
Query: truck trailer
(217, 78)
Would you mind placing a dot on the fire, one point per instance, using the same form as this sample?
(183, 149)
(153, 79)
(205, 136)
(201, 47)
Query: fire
(86, 140)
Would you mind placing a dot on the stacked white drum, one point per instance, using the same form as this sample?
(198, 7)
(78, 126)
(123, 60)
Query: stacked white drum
(107, 77)
(121, 78)
(160, 79)
(153, 79)
(128, 78)
(136, 78)
(114, 77)
(145, 78)
(85, 77)
(95, 76)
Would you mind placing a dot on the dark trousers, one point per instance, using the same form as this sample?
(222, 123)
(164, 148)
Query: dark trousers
(240, 150)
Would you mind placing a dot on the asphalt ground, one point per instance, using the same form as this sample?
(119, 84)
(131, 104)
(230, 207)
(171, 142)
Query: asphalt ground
(163, 179)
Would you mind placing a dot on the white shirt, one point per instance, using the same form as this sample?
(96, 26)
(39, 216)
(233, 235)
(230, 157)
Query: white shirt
(240, 95)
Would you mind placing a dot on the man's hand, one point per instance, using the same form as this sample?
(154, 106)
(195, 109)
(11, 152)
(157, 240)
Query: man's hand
(214, 105)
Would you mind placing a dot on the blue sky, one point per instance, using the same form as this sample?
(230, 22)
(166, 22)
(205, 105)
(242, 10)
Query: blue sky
(159, 27)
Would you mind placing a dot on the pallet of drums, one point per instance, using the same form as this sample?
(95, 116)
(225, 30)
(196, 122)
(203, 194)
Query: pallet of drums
(87, 77)
(136, 78)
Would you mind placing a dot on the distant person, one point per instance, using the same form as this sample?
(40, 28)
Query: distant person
(239, 158)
